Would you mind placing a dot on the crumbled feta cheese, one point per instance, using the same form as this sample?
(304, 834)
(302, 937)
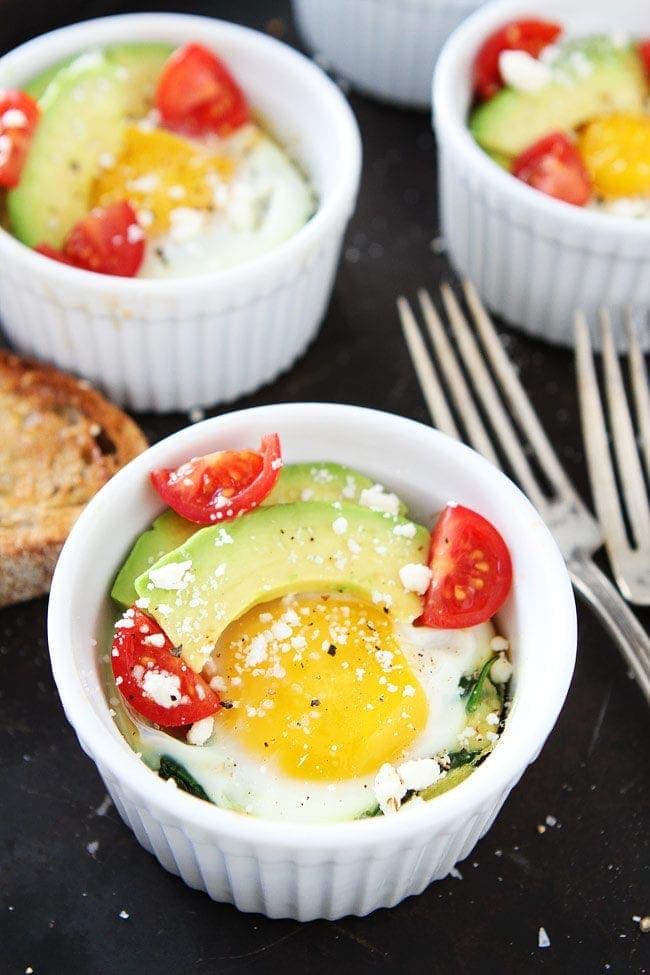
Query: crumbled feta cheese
(522, 71)
(218, 684)
(354, 546)
(543, 940)
(125, 914)
(493, 718)
(405, 531)
(162, 687)
(143, 602)
(223, 538)
(499, 644)
(144, 184)
(281, 631)
(155, 640)
(384, 658)
(134, 233)
(340, 526)
(501, 671)
(377, 499)
(200, 731)
(13, 118)
(415, 577)
(145, 219)
(381, 597)
(171, 576)
(258, 650)
(389, 789)
(419, 773)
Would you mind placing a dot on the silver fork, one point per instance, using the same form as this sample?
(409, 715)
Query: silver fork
(630, 561)
(576, 531)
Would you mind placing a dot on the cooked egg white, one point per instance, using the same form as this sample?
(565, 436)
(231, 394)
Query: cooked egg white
(205, 205)
(320, 692)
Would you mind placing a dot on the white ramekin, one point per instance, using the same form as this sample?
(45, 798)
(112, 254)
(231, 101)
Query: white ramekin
(385, 48)
(174, 344)
(534, 259)
(307, 871)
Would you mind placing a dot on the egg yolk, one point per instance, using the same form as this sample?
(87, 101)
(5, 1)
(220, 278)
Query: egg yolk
(318, 684)
(157, 172)
(616, 151)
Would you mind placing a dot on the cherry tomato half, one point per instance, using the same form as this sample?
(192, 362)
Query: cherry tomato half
(197, 95)
(531, 36)
(554, 166)
(18, 117)
(471, 571)
(219, 486)
(153, 677)
(108, 241)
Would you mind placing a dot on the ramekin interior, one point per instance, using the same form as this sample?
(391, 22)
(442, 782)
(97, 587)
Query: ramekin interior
(452, 97)
(298, 102)
(427, 469)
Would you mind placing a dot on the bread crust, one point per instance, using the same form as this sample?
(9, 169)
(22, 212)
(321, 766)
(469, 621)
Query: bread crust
(60, 441)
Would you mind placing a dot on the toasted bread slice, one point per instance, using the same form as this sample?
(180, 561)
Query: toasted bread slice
(60, 441)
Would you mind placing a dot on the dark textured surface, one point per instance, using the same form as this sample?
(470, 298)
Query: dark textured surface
(582, 880)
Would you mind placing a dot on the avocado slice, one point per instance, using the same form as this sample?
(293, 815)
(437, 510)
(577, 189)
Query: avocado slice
(85, 105)
(306, 546)
(323, 481)
(142, 61)
(168, 531)
(591, 77)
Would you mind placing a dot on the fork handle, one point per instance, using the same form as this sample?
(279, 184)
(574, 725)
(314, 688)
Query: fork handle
(594, 586)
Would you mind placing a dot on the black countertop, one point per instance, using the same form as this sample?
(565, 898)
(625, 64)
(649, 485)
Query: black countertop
(68, 866)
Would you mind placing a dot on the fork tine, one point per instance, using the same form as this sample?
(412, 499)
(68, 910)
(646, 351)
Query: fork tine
(429, 382)
(516, 395)
(476, 432)
(486, 389)
(627, 457)
(639, 378)
(594, 435)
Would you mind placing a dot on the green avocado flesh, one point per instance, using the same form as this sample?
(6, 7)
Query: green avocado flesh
(297, 482)
(318, 482)
(305, 546)
(168, 531)
(591, 77)
(85, 104)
